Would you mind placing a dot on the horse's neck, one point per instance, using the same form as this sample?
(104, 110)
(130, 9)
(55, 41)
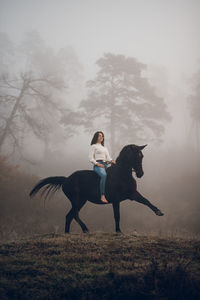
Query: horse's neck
(124, 169)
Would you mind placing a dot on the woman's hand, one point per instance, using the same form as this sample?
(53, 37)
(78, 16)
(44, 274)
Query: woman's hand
(113, 162)
(100, 165)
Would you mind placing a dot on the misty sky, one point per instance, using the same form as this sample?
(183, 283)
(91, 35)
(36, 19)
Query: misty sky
(154, 31)
(157, 32)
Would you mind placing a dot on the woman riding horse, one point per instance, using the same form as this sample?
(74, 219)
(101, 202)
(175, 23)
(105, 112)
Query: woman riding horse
(83, 185)
(99, 156)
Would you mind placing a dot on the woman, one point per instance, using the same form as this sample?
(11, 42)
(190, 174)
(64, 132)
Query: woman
(99, 156)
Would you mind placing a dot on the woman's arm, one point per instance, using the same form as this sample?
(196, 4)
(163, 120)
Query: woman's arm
(108, 158)
(91, 155)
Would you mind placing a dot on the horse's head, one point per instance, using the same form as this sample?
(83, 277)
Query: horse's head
(131, 156)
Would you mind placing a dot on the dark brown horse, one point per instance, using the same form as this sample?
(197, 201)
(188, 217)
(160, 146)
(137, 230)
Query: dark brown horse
(83, 186)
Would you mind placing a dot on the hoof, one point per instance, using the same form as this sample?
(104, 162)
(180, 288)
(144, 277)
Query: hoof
(119, 232)
(159, 213)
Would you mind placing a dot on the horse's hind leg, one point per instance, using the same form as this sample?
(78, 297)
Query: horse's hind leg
(69, 218)
(78, 220)
(139, 198)
(73, 214)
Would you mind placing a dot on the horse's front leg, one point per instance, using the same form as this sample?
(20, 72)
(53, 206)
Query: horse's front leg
(139, 198)
(116, 215)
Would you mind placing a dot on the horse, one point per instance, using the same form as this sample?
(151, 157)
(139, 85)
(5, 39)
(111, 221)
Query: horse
(83, 185)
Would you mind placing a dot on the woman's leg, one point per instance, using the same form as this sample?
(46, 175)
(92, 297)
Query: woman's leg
(103, 181)
(102, 173)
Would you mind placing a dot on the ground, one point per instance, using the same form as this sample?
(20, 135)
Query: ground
(100, 266)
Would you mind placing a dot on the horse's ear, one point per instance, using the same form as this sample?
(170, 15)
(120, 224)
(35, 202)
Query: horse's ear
(142, 147)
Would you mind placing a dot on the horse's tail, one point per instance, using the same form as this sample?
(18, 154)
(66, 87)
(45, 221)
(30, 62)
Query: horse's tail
(53, 184)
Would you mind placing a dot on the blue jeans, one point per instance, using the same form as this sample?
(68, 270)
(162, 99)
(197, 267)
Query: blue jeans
(102, 173)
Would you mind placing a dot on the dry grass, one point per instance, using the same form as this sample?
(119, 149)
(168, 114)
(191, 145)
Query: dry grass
(100, 266)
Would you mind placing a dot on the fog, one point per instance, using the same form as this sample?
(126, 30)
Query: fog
(64, 40)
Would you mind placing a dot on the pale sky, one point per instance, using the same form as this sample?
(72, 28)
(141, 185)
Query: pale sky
(156, 32)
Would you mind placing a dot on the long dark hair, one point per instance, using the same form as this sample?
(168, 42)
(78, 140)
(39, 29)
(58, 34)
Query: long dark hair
(95, 138)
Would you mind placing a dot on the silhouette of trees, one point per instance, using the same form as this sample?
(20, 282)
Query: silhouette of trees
(121, 100)
(33, 91)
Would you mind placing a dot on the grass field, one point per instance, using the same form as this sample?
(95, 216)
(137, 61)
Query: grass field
(100, 266)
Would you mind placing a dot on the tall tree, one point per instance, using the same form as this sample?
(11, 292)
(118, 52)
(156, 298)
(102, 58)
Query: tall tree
(121, 100)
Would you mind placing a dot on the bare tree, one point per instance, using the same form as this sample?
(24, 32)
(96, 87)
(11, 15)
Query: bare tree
(33, 101)
(23, 99)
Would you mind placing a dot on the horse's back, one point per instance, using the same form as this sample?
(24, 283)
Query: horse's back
(83, 182)
(83, 175)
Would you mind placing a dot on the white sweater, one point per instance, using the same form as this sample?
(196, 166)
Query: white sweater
(98, 152)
